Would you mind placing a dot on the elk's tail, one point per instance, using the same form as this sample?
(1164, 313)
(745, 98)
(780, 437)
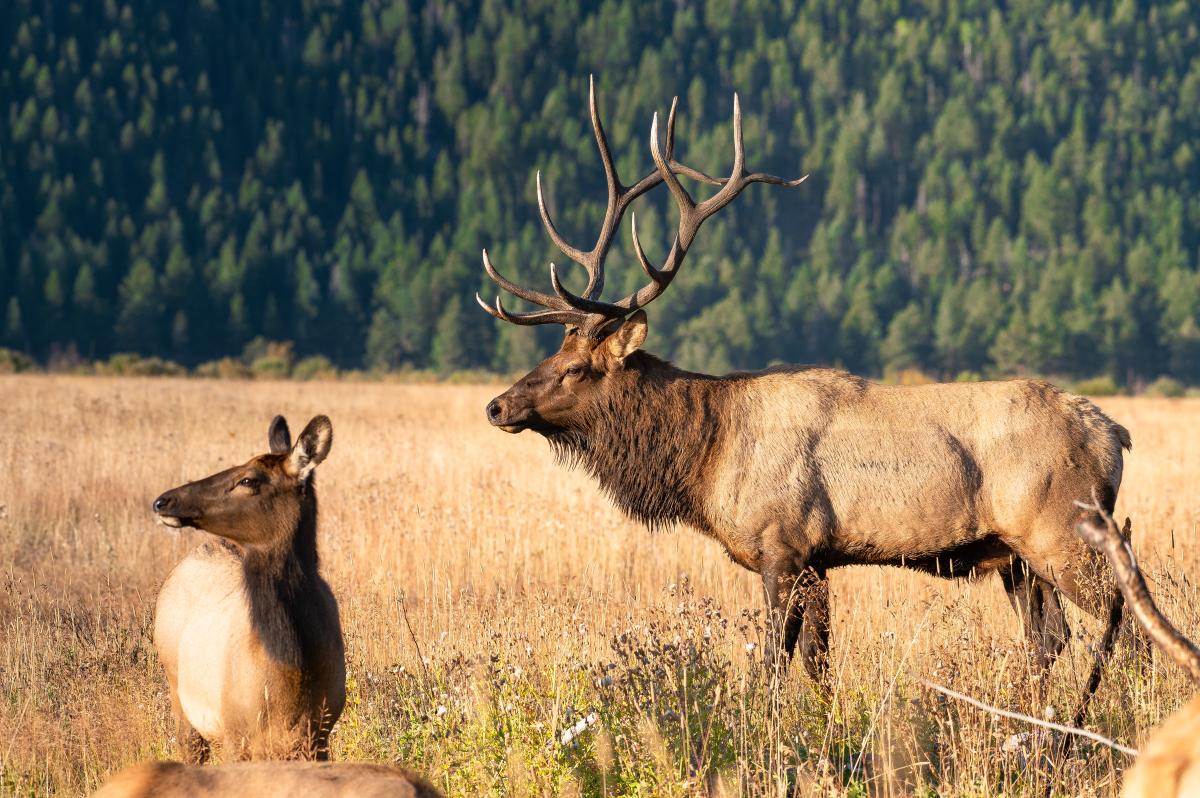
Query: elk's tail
(1123, 439)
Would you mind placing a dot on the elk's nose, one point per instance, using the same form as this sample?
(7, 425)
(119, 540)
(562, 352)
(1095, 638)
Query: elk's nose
(162, 503)
(494, 410)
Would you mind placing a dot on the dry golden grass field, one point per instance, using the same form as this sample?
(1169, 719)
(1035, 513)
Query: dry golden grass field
(492, 598)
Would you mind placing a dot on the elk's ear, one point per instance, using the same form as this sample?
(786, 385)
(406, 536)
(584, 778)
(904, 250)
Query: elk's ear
(311, 447)
(279, 437)
(628, 337)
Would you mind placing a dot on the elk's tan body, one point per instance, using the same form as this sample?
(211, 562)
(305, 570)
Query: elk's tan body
(266, 780)
(826, 465)
(246, 628)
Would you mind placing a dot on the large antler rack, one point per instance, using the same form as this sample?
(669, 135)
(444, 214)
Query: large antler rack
(586, 313)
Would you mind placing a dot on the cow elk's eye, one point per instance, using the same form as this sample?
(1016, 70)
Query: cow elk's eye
(247, 482)
(575, 371)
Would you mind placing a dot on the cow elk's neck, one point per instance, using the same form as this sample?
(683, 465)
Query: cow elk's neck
(279, 576)
(651, 440)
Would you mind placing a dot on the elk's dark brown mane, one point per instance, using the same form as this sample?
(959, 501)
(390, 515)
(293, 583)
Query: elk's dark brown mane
(650, 440)
(279, 584)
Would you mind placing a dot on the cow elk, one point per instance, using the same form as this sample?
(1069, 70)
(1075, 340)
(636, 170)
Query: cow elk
(1169, 762)
(266, 780)
(799, 470)
(245, 626)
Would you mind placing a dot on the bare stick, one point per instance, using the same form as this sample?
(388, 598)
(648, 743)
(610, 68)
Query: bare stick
(1004, 713)
(425, 681)
(1105, 538)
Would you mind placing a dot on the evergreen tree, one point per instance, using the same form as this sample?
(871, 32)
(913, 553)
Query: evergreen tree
(1028, 197)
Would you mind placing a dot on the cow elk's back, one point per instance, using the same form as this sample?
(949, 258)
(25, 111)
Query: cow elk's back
(266, 780)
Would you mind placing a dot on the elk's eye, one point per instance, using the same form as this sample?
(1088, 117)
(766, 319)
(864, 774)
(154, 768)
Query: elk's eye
(575, 371)
(247, 482)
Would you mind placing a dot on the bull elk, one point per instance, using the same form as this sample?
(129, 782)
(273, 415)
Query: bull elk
(1169, 763)
(799, 470)
(266, 780)
(246, 628)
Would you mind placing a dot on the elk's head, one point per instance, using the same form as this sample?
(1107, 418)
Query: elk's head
(258, 501)
(563, 386)
(602, 335)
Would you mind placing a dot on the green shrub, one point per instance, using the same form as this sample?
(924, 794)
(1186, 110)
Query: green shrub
(227, 368)
(315, 367)
(1167, 387)
(262, 348)
(13, 362)
(271, 367)
(129, 364)
(968, 376)
(1102, 385)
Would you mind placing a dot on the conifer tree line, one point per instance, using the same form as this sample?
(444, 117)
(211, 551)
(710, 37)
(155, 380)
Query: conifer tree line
(995, 188)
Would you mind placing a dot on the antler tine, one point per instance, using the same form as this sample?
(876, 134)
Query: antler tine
(1106, 539)
(610, 172)
(560, 242)
(565, 317)
(682, 198)
(583, 303)
(529, 295)
(650, 271)
(619, 198)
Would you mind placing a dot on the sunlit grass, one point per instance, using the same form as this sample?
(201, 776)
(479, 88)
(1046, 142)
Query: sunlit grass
(535, 609)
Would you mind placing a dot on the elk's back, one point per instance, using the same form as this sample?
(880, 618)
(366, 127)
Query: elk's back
(883, 472)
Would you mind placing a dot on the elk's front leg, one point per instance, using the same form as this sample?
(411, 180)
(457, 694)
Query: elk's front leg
(193, 749)
(805, 608)
(814, 634)
(786, 585)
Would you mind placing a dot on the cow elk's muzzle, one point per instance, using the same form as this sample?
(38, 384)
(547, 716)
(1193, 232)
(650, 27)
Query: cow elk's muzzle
(167, 509)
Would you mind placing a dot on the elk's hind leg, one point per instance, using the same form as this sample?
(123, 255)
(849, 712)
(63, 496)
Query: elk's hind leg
(1057, 555)
(807, 620)
(1037, 604)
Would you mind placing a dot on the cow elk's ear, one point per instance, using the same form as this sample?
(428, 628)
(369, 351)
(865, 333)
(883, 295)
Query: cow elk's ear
(628, 337)
(279, 436)
(311, 447)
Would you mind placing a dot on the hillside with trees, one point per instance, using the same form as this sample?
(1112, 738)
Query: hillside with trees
(996, 191)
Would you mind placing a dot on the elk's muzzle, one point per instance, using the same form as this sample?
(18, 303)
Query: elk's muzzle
(169, 512)
(499, 414)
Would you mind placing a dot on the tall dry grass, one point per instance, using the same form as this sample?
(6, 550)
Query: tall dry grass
(534, 608)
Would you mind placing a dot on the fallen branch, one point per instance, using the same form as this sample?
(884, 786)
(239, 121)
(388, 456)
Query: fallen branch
(1004, 713)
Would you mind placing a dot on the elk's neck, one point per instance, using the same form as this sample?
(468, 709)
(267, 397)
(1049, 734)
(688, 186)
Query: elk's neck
(281, 583)
(653, 440)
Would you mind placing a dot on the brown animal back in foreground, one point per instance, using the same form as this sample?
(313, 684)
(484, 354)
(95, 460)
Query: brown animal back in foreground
(1169, 762)
(266, 780)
